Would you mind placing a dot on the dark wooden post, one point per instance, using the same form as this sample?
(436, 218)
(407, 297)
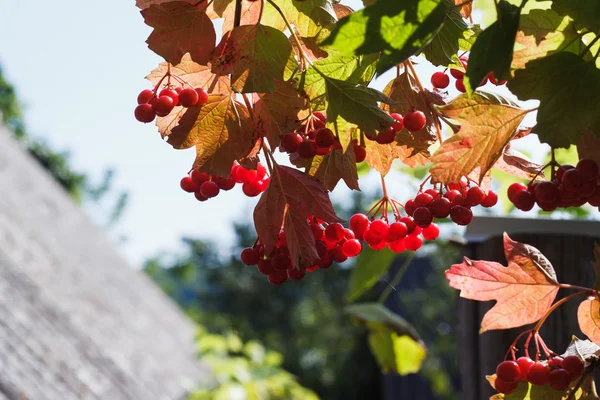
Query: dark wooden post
(567, 244)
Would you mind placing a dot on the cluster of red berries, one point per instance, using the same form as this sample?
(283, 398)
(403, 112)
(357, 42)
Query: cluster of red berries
(204, 186)
(440, 80)
(455, 203)
(152, 103)
(413, 121)
(570, 187)
(332, 241)
(558, 372)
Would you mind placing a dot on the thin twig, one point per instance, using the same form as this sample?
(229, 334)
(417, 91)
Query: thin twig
(397, 278)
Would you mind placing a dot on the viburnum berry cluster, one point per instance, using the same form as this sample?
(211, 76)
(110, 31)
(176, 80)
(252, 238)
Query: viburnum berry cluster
(205, 186)
(570, 186)
(441, 80)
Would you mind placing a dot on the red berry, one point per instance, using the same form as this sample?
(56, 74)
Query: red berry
(456, 74)
(572, 180)
(307, 148)
(338, 254)
(252, 189)
(360, 153)
(334, 232)
(188, 97)
(243, 175)
(372, 238)
(171, 93)
(461, 215)
(200, 177)
(460, 85)
(281, 261)
(415, 120)
(163, 106)
(475, 196)
(324, 138)
(202, 97)
(440, 208)
(410, 224)
(290, 141)
(277, 278)
(555, 362)
(431, 232)
(265, 267)
(525, 364)
(399, 124)
(560, 379)
(295, 274)
(250, 256)
(413, 243)
(440, 80)
(199, 196)
(317, 230)
(397, 230)
(410, 207)
(188, 185)
(451, 194)
(320, 116)
(524, 200)
(515, 188)
(397, 246)
(145, 96)
(588, 168)
(538, 374)
(144, 113)
(505, 387)
(574, 365)
(422, 217)
(386, 137)
(224, 184)
(351, 248)
(379, 228)
(423, 199)
(491, 199)
(359, 223)
(209, 189)
(508, 371)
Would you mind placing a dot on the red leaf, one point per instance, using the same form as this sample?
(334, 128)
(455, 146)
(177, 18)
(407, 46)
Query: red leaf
(292, 197)
(180, 28)
(588, 316)
(514, 163)
(523, 291)
(465, 9)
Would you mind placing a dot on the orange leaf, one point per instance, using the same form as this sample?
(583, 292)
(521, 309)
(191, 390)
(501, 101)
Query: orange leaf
(465, 9)
(180, 28)
(221, 132)
(198, 76)
(488, 122)
(334, 166)
(381, 156)
(523, 291)
(588, 316)
(291, 197)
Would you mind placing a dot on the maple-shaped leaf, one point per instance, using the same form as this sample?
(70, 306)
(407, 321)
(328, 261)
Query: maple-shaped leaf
(381, 156)
(334, 166)
(249, 15)
(568, 89)
(255, 56)
(488, 122)
(589, 146)
(588, 316)
(309, 17)
(517, 164)
(180, 28)
(197, 76)
(523, 291)
(291, 197)
(221, 130)
(344, 130)
(544, 32)
(466, 8)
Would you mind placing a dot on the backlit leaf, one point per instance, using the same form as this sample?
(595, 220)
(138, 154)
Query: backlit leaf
(516, 164)
(493, 49)
(487, 123)
(308, 16)
(370, 266)
(584, 349)
(586, 13)
(465, 9)
(568, 106)
(381, 156)
(255, 56)
(180, 28)
(588, 316)
(333, 167)
(277, 113)
(543, 32)
(292, 192)
(523, 291)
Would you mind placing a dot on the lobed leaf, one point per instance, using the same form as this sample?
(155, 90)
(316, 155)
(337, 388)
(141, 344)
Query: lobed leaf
(180, 28)
(588, 315)
(335, 166)
(523, 291)
(309, 17)
(586, 13)
(516, 164)
(584, 349)
(568, 89)
(255, 56)
(487, 124)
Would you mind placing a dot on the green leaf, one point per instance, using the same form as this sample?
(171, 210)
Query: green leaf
(308, 16)
(493, 49)
(569, 92)
(544, 32)
(370, 267)
(586, 13)
(394, 342)
(357, 104)
(254, 55)
(399, 29)
(443, 48)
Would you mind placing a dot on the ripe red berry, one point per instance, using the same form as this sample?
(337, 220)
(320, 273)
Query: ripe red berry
(188, 185)
(397, 246)
(224, 184)
(456, 74)
(334, 232)
(505, 387)
(524, 200)
(475, 196)
(399, 124)
(440, 208)
(307, 148)
(360, 153)
(144, 113)
(555, 362)
(491, 199)
(200, 177)
(440, 80)
(422, 217)
(351, 248)
(572, 180)
(252, 189)
(461, 215)
(431, 232)
(265, 267)
(295, 274)
(145, 96)
(202, 97)
(460, 85)
(410, 207)
(250, 256)
(559, 379)
(379, 228)
(588, 168)
(290, 141)
(372, 238)
(199, 196)
(163, 106)
(324, 138)
(423, 199)
(359, 223)
(171, 93)
(243, 175)
(515, 188)
(539, 374)
(386, 137)
(413, 243)
(277, 278)
(508, 371)
(574, 365)
(414, 120)
(317, 230)
(525, 364)
(338, 254)
(397, 231)
(188, 97)
(410, 224)
(209, 189)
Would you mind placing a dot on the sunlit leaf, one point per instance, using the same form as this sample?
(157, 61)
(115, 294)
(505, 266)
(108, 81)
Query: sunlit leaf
(335, 166)
(370, 266)
(586, 13)
(588, 316)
